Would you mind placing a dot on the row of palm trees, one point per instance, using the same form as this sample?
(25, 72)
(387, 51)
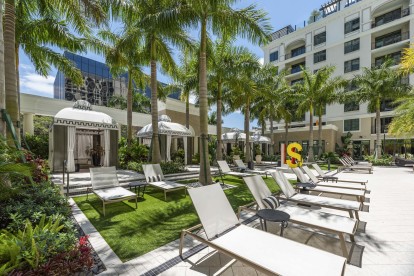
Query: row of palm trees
(212, 67)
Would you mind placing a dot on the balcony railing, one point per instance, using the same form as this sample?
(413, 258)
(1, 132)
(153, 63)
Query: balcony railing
(395, 58)
(389, 39)
(391, 16)
(296, 52)
(296, 68)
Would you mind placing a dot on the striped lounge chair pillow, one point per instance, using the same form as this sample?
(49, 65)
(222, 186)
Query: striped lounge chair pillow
(271, 202)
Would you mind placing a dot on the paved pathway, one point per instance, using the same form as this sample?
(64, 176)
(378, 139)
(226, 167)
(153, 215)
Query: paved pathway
(384, 247)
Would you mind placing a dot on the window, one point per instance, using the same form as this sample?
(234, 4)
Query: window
(388, 17)
(296, 81)
(351, 46)
(351, 65)
(352, 26)
(395, 57)
(384, 125)
(319, 56)
(298, 51)
(274, 56)
(351, 106)
(296, 68)
(319, 38)
(351, 125)
(388, 39)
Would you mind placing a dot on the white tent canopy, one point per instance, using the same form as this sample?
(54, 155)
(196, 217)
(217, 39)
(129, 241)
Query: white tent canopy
(171, 130)
(260, 139)
(71, 136)
(231, 137)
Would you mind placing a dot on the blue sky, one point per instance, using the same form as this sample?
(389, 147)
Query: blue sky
(280, 13)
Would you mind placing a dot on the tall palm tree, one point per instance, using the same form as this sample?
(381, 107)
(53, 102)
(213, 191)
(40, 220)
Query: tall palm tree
(244, 89)
(376, 85)
(10, 78)
(402, 124)
(327, 94)
(2, 89)
(308, 94)
(219, 16)
(157, 35)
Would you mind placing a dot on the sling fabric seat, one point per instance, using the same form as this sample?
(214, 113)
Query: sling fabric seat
(262, 251)
(105, 185)
(240, 165)
(225, 169)
(348, 166)
(323, 175)
(154, 177)
(352, 207)
(353, 162)
(359, 194)
(331, 223)
(313, 179)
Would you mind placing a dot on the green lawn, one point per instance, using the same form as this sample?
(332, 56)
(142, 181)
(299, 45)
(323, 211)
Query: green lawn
(325, 167)
(132, 233)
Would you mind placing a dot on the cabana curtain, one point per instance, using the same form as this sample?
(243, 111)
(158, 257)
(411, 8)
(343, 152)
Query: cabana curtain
(107, 147)
(71, 147)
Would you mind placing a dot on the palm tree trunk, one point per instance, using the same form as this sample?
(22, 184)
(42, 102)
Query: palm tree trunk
(205, 174)
(10, 69)
(2, 90)
(378, 129)
(187, 109)
(320, 133)
(156, 155)
(129, 109)
(310, 146)
(246, 131)
(286, 133)
(272, 142)
(219, 150)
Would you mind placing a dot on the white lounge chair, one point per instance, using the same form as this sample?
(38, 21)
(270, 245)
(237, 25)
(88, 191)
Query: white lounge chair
(154, 177)
(225, 169)
(105, 185)
(309, 186)
(262, 251)
(352, 207)
(353, 162)
(240, 165)
(346, 165)
(338, 184)
(330, 223)
(326, 177)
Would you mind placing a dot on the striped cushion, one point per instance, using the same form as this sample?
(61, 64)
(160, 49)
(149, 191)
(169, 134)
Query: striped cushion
(271, 202)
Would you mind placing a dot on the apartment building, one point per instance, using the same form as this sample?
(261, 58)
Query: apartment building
(349, 34)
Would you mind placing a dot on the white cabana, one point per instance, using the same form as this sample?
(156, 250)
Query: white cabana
(260, 139)
(76, 132)
(233, 136)
(170, 130)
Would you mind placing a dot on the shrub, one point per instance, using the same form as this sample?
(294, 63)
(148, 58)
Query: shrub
(385, 160)
(272, 158)
(172, 167)
(33, 245)
(135, 153)
(178, 155)
(38, 145)
(135, 166)
(332, 156)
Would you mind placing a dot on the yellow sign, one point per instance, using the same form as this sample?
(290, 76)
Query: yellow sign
(295, 158)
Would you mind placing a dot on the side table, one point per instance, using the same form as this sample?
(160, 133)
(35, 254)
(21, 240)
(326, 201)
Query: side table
(138, 184)
(275, 216)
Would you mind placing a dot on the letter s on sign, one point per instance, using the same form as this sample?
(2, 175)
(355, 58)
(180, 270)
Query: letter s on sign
(295, 157)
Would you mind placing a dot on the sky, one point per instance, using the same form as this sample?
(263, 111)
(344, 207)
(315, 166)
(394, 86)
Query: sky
(280, 13)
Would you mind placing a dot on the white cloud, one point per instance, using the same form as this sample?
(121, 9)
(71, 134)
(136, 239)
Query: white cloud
(35, 84)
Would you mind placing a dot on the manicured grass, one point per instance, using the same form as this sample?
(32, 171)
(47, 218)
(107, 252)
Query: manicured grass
(132, 233)
(325, 167)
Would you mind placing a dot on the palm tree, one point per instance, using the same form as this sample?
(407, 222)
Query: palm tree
(309, 93)
(327, 94)
(244, 89)
(376, 85)
(157, 35)
(2, 90)
(271, 105)
(402, 124)
(125, 54)
(219, 16)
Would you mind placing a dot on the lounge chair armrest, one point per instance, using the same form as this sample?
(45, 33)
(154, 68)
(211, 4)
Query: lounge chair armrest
(246, 207)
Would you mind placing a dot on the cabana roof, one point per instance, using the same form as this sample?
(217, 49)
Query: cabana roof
(230, 137)
(82, 115)
(261, 139)
(165, 127)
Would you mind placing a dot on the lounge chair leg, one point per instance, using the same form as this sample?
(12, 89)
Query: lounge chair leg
(352, 237)
(343, 245)
(357, 215)
(351, 215)
(181, 244)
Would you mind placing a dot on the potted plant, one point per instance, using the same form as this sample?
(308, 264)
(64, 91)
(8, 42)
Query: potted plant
(236, 153)
(96, 152)
(258, 153)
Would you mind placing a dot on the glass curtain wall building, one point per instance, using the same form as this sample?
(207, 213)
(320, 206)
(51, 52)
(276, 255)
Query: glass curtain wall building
(98, 83)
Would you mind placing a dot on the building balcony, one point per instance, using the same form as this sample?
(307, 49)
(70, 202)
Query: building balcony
(390, 39)
(296, 52)
(395, 58)
(390, 17)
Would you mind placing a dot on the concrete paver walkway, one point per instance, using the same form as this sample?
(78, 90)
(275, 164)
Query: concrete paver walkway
(384, 247)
